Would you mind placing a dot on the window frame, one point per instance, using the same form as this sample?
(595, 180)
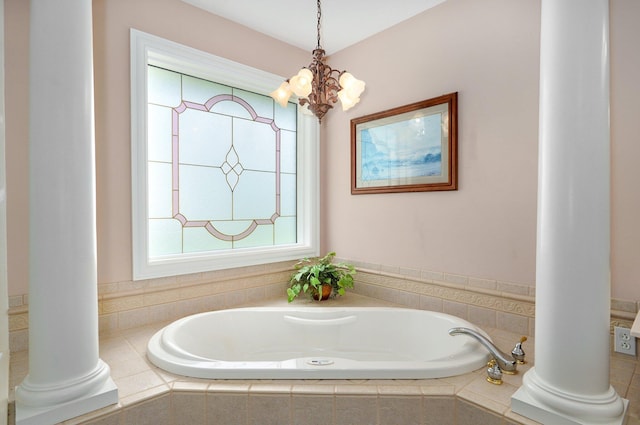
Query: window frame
(147, 49)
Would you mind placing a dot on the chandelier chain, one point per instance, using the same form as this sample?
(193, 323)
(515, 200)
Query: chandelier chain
(319, 17)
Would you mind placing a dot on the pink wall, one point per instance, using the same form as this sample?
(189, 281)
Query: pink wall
(171, 19)
(625, 149)
(487, 51)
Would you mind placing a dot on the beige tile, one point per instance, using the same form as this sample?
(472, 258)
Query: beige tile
(486, 401)
(400, 410)
(117, 304)
(482, 317)
(116, 349)
(623, 305)
(410, 272)
(16, 301)
(482, 283)
(234, 298)
(439, 410)
(512, 323)
(455, 309)
(432, 276)
(455, 278)
(270, 388)
(19, 321)
(621, 372)
(105, 416)
(312, 409)
(491, 392)
(153, 412)
(438, 390)
(188, 407)
(430, 303)
(229, 387)
(265, 409)
(19, 340)
(255, 294)
(161, 297)
(461, 381)
(113, 419)
(470, 414)
(399, 390)
(356, 410)
(513, 288)
(143, 396)
(512, 418)
(163, 313)
(107, 323)
(121, 368)
(357, 389)
(390, 269)
(133, 318)
(227, 408)
(18, 367)
(313, 389)
(407, 299)
(140, 340)
(139, 382)
(190, 386)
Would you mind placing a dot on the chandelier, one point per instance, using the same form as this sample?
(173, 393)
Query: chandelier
(318, 86)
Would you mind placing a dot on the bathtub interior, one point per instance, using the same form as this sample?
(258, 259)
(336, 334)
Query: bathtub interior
(302, 342)
(273, 335)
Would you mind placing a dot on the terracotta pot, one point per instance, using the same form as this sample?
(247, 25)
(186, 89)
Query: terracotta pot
(325, 292)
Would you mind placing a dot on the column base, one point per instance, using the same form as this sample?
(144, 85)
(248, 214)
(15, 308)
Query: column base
(545, 404)
(45, 406)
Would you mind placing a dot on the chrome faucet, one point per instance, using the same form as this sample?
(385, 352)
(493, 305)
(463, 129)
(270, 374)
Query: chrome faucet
(505, 362)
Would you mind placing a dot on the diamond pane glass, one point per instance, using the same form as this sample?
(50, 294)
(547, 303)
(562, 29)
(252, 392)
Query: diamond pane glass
(221, 166)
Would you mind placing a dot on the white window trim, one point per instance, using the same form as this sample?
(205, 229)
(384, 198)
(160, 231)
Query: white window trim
(147, 50)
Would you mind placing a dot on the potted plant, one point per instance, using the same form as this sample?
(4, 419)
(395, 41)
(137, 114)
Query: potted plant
(312, 274)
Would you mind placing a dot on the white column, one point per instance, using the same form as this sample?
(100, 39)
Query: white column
(570, 381)
(66, 377)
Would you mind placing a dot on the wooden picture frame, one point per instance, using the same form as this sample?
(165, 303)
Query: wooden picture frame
(412, 148)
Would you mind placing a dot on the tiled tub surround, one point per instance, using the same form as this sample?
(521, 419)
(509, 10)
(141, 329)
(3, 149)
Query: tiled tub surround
(149, 395)
(131, 311)
(487, 303)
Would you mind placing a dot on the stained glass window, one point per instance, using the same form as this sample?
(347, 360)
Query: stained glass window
(221, 166)
(222, 176)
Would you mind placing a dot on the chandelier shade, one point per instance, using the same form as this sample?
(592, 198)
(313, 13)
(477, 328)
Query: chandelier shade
(318, 86)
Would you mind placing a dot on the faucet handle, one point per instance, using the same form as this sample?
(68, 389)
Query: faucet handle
(494, 373)
(518, 352)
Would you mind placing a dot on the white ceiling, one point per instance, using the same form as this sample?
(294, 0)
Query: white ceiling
(344, 22)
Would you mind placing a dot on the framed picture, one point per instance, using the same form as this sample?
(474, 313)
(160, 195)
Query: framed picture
(412, 148)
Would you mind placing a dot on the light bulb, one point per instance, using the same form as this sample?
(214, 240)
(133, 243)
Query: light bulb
(347, 101)
(352, 85)
(282, 94)
(301, 83)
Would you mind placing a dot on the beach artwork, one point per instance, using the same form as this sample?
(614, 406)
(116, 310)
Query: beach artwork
(407, 149)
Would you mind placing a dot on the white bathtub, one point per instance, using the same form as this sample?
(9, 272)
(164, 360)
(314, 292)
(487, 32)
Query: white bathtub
(316, 343)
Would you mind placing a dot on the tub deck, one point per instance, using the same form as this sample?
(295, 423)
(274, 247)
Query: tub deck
(149, 395)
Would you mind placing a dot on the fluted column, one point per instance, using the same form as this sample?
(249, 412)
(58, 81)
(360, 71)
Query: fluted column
(570, 381)
(66, 377)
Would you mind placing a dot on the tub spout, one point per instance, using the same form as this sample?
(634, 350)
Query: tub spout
(505, 362)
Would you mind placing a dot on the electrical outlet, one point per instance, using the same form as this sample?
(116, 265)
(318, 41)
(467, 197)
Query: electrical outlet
(624, 342)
